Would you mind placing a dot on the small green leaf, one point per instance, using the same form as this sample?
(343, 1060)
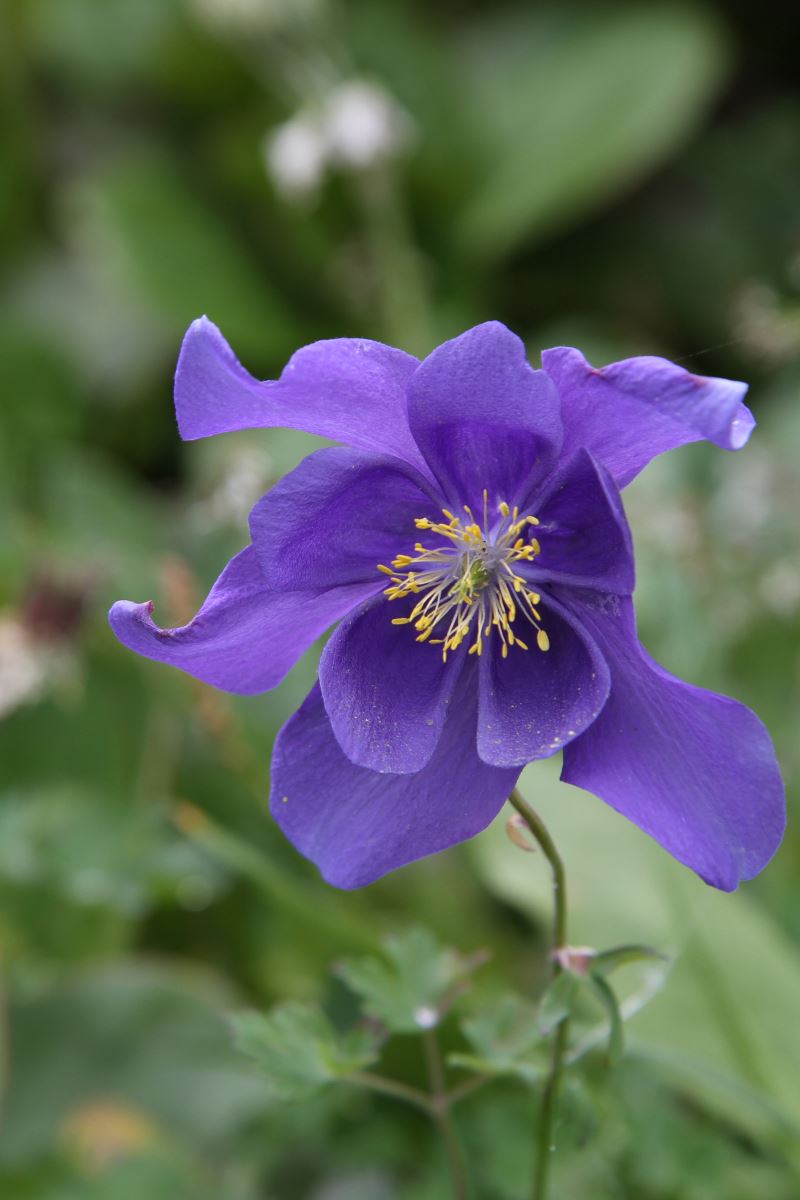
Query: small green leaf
(558, 1001)
(607, 961)
(414, 986)
(505, 1039)
(606, 996)
(298, 1049)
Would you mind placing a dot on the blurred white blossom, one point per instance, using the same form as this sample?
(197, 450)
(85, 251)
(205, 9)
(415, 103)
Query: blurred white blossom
(357, 125)
(23, 666)
(295, 155)
(780, 589)
(245, 475)
(765, 324)
(364, 125)
(253, 16)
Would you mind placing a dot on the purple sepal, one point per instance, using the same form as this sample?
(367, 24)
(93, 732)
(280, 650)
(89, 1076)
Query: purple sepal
(357, 824)
(349, 389)
(245, 638)
(632, 410)
(336, 516)
(694, 770)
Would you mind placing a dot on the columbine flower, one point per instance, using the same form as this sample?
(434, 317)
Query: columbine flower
(471, 540)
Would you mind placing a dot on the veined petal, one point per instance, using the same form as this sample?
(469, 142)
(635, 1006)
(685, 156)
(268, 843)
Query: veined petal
(385, 693)
(632, 410)
(483, 418)
(694, 770)
(348, 389)
(245, 638)
(534, 702)
(357, 824)
(336, 516)
(583, 532)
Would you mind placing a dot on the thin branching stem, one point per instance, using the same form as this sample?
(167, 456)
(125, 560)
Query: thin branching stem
(440, 1106)
(392, 1087)
(549, 1101)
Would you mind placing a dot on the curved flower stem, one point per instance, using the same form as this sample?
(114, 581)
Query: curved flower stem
(440, 1109)
(540, 832)
(547, 1111)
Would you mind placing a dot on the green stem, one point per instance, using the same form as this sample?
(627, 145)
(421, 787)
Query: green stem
(440, 1110)
(462, 1090)
(549, 1102)
(401, 289)
(548, 846)
(392, 1087)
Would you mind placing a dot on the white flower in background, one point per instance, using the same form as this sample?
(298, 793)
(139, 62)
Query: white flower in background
(364, 124)
(780, 589)
(248, 16)
(23, 667)
(357, 125)
(295, 155)
(245, 473)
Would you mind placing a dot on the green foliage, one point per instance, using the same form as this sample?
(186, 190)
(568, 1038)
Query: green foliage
(729, 959)
(414, 986)
(622, 177)
(639, 77)
(298, 1050)
(506, 1039)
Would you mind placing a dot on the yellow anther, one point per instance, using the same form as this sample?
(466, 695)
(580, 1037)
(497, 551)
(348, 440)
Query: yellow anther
(542, 640)
(466, 583)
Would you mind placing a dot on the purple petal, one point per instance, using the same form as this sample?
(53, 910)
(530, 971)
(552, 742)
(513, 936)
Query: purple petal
(483, 418)
(385, 693)
(534, 702)
(357, 824)
(630, 411)
(583, 532)
(245, 637)
(348, 389)
(335, 517)
(694, 770)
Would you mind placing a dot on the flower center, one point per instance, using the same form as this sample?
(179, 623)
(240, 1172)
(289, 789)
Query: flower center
(468, 583)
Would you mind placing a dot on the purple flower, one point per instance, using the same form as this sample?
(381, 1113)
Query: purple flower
(470, 539)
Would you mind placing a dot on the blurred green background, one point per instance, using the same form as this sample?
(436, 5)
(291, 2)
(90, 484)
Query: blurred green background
(621, 177)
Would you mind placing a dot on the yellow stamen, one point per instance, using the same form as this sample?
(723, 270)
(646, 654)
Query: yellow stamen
(466, 581)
